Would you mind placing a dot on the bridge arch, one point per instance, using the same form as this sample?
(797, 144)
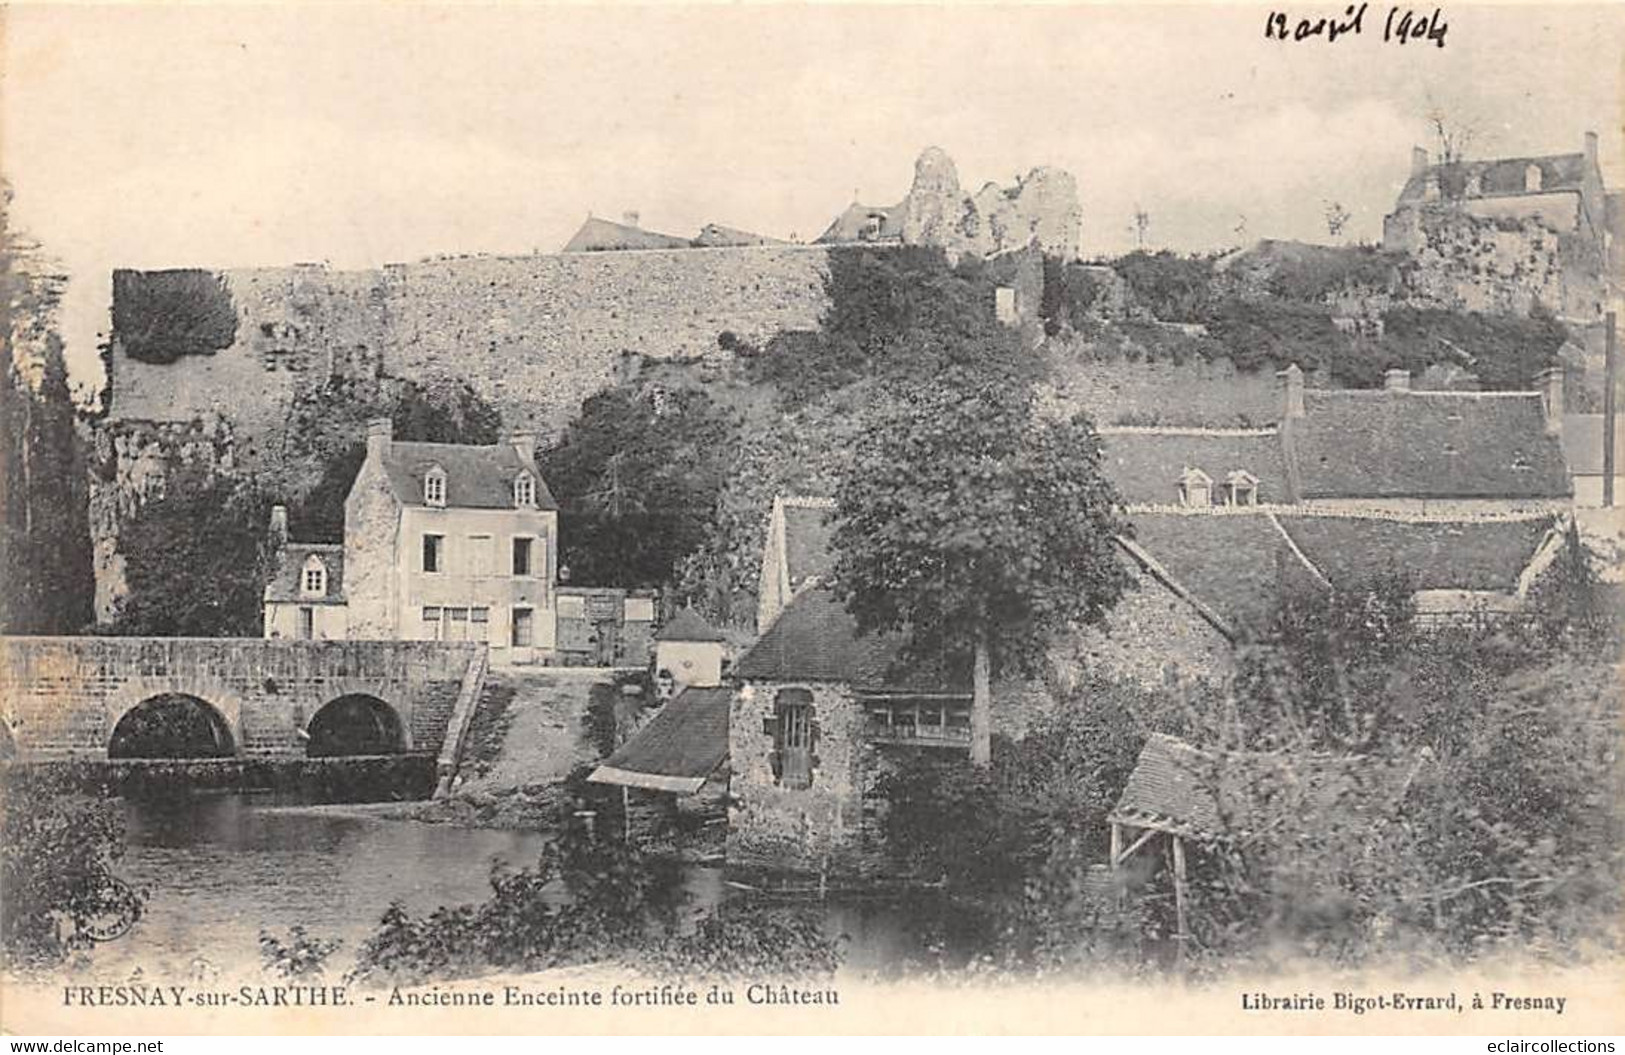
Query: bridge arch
(220, 698)
(356, 723)
(172, 725)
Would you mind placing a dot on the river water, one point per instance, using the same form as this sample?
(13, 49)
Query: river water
(219, 866)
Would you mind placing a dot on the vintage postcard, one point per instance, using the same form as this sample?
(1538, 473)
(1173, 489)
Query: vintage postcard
(812, 519)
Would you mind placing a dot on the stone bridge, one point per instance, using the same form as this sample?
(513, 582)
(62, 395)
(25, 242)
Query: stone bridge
(109, 697)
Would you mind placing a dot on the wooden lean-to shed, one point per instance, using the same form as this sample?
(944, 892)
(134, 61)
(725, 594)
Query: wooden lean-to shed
(1180, 795)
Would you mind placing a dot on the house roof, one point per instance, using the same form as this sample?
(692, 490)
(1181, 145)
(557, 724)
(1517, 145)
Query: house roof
(1226, 562)
(716, 234)
(807, 534)
(1499, 177)
(1452, 555)
(816, 639)
(688, 625)
(1384, 444)
(851, 224)
(285, 583)
(1582, 443)
(1146, 464)
(679, 748)
(1206, 795)
(476, 477)
(597, 235)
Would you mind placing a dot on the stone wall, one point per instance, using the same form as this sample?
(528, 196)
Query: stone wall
(63, 697)
(1152, 638)
(1499, 264)
(1196, 392)
(797, 829)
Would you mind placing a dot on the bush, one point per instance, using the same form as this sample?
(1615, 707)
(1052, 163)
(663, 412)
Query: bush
(1173, 288)
(58, 846)
(300, 957)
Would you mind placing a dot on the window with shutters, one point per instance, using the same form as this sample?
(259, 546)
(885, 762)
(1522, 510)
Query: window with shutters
(795, 732)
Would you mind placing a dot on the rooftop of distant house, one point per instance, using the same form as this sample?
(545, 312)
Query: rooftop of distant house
(1499, 177)
(597, 235)
(471, 476)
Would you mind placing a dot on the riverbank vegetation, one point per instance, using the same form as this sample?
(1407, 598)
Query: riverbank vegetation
(1386, 792)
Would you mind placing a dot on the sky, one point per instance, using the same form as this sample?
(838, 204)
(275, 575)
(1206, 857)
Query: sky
(215, 135)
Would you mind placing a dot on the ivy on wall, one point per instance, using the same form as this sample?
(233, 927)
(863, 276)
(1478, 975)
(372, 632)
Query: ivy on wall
(160, 316)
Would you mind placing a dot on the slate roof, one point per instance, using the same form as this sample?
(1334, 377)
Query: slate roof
(1582, 443)
(851, 223)
(1499, 177)
(679, 748)
(597, 235)
(807, 534)
(1382, 444)
(1204, 795)
(816, 639)
(476, 477)
(284, 584)
(1146, 465)
(1454, 555)
(688, 625)
(1228, 562)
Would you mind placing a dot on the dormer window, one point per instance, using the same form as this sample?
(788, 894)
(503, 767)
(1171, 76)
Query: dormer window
(524, 491)
(313, 578)
(1240, 488)
(434, 487)
(1195, 488)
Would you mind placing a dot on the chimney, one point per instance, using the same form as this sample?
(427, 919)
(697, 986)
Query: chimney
(380, 431)
(524, 441)
(630, 218)
(278, 532)
(1397, 380)
(1289, 383)
(1551, 398)
(1591, 147)
(1419, 161)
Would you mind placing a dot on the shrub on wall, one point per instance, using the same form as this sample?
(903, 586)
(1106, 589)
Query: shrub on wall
(1173, 288)
(1321, 271)
(160, 316)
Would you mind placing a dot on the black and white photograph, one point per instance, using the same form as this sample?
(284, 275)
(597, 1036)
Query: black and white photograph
(819, 519)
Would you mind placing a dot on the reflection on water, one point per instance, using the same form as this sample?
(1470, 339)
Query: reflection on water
(219, 866)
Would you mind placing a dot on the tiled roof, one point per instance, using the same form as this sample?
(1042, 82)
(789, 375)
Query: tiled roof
(816, 639)
(1228, 562)
(1382, 444)
(1146, 464)
(1203, 795)
(688, 625)
(679, 748)
(854, 221)
(1582, 443)
(598, 234)
(807, 534)
(1500, 176)
(285, 582)
(1453, 555)
(476, 477)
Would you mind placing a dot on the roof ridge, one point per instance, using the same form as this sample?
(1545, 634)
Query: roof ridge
(1167, 578)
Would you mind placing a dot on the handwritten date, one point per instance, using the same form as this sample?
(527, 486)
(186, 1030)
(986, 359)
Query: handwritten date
(1402, 26)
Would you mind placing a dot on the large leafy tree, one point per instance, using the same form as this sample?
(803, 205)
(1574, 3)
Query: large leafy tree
(638, 475)
(973, 524)
(45, 562)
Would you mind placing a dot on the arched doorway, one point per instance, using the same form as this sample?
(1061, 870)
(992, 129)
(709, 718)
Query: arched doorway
(171, 725)
(355, 725)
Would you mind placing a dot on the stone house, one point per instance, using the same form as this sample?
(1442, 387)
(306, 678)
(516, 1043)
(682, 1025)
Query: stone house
(1502, 233)
(441, 542)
